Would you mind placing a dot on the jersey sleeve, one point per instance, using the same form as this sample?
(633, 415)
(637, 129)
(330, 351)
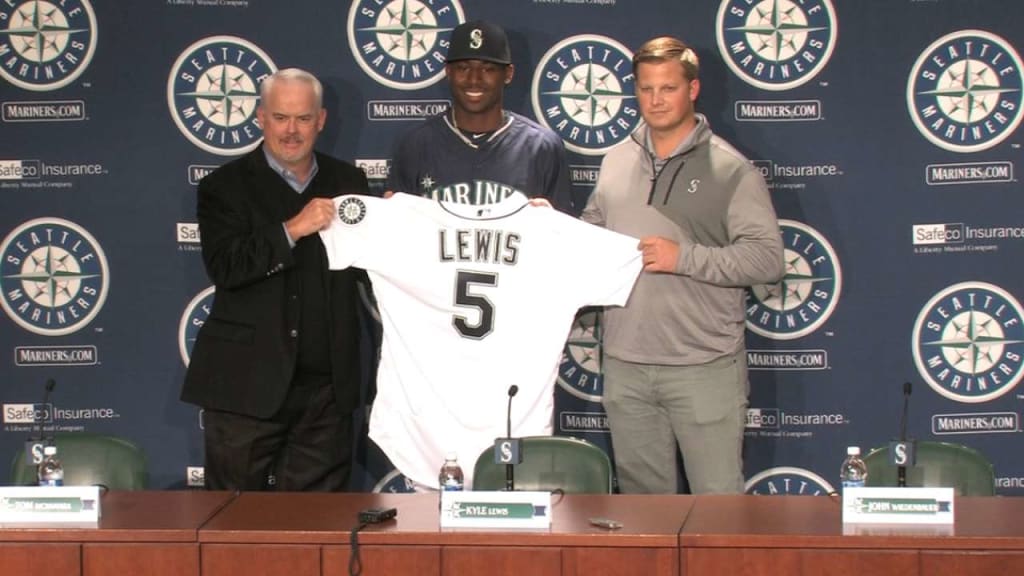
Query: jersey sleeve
(603, 264)
(349, 240)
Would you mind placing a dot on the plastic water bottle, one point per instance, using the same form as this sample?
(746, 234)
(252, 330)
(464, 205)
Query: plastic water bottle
(51, 471)
(854, 472)
(451, 477)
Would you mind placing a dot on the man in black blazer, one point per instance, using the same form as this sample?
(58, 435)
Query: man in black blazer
(276, 365)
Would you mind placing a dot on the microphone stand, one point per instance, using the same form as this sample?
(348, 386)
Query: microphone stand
(901, 470)
(38, 440)
(37, 424)
(509, 467)
(50, 385)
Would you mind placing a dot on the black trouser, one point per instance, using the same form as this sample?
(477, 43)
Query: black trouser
(306, 446)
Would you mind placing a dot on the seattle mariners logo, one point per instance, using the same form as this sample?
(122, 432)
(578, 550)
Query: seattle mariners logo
(54, 276)
(583, 90)
(402, 44)
(476, 39)
(964, 92)
(579, 373)
(46, 45)
(807, 294)
(968, 342)
(192, 320)
(788, 480)
(351, 210)
(776, 44)
(213, 91)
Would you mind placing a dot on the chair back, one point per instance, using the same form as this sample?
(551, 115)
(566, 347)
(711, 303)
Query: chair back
(939, 464)
(550, 463)
(90, 459)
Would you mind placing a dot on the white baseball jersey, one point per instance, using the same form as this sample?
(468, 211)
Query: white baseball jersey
(473, 299)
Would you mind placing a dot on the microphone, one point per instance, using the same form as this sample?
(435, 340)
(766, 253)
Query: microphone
(907, 389)
(512, 391)
(901, 452)
(50, 385)
(37, 440)
(507, 450)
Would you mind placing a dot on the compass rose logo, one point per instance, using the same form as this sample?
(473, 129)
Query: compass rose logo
(968, 342)
(787, 481)
(351, 210)
(213, 92)
(427, 184)
(402, 44)
(579, 372)
(964, 92)
(808, 293)
(196, 313)
(776, 44)
(46, 45)
(583, 90)
(53, 276)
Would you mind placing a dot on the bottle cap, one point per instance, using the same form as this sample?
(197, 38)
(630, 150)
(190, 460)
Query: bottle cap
(853, 450)
(451, 456)
(49, 450)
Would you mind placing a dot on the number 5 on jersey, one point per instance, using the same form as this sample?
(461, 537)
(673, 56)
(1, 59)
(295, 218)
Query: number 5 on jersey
(465, 282)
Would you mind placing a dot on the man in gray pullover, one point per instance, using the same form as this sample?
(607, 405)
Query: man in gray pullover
(674, 357)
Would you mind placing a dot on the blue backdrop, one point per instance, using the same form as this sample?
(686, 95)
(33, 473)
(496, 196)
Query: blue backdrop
(887, 131)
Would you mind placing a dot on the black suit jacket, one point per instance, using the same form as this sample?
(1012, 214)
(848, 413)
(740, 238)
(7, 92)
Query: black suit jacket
(245, 353)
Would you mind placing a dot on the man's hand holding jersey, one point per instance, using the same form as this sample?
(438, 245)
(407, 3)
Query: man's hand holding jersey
(315, 216)
(660, 254)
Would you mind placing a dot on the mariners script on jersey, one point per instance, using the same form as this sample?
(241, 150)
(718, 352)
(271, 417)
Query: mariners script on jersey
(473, 299)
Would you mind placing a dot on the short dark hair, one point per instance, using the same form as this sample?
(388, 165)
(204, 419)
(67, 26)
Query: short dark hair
(669, 49)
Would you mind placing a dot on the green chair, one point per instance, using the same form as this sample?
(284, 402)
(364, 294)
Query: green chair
(90, 459)
(938, 464)
(550, 463)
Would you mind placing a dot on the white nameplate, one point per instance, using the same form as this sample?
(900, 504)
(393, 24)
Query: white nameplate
(495, 509)
(878, 505)
(924, 530)
(62, 505)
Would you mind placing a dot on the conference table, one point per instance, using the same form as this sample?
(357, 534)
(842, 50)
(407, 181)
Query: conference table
(143, 533)
(804, 535)
(177, 533)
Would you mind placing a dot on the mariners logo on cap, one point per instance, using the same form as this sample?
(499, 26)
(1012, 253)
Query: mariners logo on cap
(402, 44)
(48, 44)
(479, 40)
(213, 92)
(808, 293)
(965, 92)
(776, 44)
(583, 90)
(476, 39)
(968, 342)
(196, 313)
(53, 276)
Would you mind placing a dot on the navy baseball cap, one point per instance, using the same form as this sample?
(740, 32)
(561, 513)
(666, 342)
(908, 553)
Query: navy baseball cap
(479, 40)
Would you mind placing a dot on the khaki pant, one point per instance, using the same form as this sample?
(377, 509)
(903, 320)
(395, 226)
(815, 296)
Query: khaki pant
(652, 409)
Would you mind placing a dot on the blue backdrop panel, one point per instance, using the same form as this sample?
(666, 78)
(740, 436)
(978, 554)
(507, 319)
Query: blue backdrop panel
(887, 131)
